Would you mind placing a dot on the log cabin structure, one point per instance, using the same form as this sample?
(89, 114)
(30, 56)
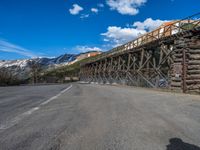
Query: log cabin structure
(168, 57)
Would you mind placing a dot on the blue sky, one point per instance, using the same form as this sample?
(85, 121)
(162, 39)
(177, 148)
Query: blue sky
(34, 28)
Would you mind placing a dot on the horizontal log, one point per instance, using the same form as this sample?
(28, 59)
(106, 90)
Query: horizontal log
(178, 50)
(178, 89)
(174, 79)
(197, 67)
(174, 76)
(194, 57)
(194, 51)
(193, 69)
(176, 84)
(181, 40)
(192, 81)
(193, 62)
(178, 60)
(194, 45)
(193, 77)
(194, 91)
(195, 87)
(193, 72)
(181, 46)
(178, 55)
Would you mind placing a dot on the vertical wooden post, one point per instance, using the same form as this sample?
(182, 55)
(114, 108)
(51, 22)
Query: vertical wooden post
(129, 60)
(184, 86)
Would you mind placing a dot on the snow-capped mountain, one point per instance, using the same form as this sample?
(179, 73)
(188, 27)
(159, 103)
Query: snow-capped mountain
(42, 61)
(22, 68)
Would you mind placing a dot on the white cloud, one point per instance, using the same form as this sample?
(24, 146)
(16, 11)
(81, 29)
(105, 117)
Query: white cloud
(12, 48)
(83, 16)
(100, 5)
(149, 24)
(94, 10)
(75, 10)
(117, 35)
(126, 7)
(87, 48)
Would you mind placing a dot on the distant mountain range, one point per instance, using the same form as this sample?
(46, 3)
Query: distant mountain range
(22, 68)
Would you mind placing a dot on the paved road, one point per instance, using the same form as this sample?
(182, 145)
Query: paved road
(96, 117)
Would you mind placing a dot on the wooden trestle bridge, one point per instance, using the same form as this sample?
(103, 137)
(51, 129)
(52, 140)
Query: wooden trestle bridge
(168, 57)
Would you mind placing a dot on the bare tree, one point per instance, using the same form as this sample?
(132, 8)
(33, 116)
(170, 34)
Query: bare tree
(7, 78)
(35, 71)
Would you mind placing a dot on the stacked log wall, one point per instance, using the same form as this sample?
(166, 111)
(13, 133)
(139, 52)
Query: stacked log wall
(186, 72)
(193, 68)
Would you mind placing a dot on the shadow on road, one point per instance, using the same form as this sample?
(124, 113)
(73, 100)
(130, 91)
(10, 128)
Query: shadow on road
(178, 144)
